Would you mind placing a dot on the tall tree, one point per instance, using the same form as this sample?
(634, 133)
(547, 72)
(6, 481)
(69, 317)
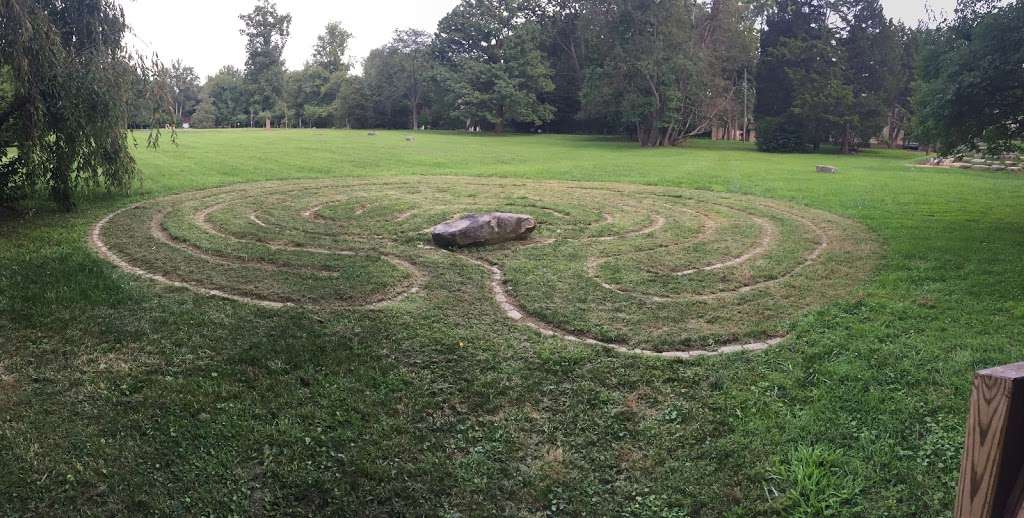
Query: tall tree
(493, 64)
(70, 80)
(266, 32)
(403, 72)
(795, 43)
(870, 58)
(898, 87)
(565, 23)
(669, 68)
(330, 49)
(184, 84)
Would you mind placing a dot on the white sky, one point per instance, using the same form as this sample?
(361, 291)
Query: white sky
(204, 33)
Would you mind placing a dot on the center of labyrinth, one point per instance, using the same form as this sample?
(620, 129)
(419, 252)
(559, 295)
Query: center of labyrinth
(661, 271)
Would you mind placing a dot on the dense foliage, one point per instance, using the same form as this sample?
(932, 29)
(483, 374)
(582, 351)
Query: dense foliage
(830, 71)
(66, 89)
(798, 72)
(562, 65)
(971, 90)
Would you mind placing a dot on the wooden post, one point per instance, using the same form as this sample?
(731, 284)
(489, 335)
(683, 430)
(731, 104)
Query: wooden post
(991, 484)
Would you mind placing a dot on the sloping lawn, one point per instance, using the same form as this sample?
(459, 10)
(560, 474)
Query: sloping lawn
(119, 396)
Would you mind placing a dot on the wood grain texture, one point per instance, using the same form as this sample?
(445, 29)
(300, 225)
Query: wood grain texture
(993, 457)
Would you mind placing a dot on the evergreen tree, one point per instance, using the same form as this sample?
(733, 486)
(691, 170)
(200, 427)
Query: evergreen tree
(796, 38)
(871, 56)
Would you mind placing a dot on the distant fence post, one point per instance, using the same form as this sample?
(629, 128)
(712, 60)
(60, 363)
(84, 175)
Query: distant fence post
(991, 482)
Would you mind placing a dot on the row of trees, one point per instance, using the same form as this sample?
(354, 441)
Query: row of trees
(659, 70)
(826, 71)
(662, 70)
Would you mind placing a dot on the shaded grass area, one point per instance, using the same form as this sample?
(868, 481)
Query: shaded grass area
(120, 397)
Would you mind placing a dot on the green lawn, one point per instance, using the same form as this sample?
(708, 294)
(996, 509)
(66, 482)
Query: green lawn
(119, 396)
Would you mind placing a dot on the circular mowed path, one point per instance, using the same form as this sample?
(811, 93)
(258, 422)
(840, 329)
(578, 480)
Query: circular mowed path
(659, 271)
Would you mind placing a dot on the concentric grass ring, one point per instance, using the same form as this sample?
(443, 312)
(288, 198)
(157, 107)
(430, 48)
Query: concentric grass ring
(657, 271)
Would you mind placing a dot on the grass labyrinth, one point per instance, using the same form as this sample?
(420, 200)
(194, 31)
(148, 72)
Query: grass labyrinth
(659, 270)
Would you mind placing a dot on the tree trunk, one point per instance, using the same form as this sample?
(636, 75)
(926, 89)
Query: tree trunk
(499, 127)
(415, 116)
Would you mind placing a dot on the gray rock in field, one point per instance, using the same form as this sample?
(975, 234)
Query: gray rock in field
(482, 229)
(410, 139)
(826, 169)
(1014, 169)
(980, 167)
(978, 161)
(962, 165)
(372, 133)
(998, 168)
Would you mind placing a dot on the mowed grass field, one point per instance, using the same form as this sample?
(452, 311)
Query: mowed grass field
(121, 396)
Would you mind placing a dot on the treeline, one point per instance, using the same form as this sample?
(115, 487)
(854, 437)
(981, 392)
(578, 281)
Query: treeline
(796, 73)
(662, 71)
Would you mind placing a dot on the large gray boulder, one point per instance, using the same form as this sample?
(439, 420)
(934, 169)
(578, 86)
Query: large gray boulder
(482, 229)
(826, 169)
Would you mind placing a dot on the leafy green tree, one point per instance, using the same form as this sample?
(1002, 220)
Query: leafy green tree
(649, 52)
(400, 74)
(224, 98)
(205, 115)
(670, 69)
(353, 106)
(971, 71)
(410, 62)
(266, 32)
(493, 66)
(565, 22)
(69, 82)
(305, 89)
(185, 88)
(329, 52)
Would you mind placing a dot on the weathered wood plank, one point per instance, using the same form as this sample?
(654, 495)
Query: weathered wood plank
(993, 457)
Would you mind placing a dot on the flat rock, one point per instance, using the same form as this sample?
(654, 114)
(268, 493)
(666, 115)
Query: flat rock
(826, 169)
(482, 229)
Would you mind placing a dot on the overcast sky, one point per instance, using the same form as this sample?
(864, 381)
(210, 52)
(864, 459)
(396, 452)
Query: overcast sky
(204, 33)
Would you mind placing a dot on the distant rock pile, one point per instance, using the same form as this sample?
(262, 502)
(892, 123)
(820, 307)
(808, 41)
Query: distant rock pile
(1011, 162)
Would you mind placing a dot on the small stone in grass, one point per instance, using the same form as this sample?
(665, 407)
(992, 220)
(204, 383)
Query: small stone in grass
(826, 169)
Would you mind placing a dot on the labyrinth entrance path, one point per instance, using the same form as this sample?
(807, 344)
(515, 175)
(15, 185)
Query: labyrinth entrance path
(676, 273)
